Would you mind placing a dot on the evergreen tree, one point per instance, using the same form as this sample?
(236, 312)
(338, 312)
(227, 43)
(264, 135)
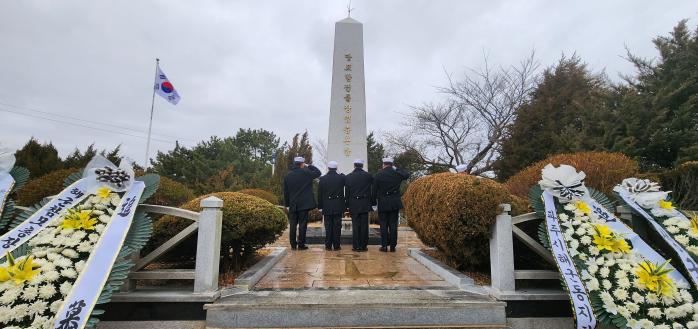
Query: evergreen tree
(376, 153)
(77, 159)
(40, 159)
(300, 146)
(565, 114)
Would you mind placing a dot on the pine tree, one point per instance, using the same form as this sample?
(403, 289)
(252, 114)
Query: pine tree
(376, 152)
(40, 159)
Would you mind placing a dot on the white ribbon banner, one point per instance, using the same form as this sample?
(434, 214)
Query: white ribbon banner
(68, 198)
(6, 185)
(583, 312)
(78, 306)
(688, 262)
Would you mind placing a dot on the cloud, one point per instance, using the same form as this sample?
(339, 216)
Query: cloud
(267, 64)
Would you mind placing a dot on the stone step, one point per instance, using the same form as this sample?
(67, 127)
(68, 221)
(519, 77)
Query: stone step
(356, 308)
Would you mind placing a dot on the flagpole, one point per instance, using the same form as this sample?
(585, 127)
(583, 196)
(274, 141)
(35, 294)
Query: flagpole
(150, 126)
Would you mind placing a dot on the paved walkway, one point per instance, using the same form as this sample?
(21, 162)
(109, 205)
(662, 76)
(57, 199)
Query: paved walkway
(318, 268)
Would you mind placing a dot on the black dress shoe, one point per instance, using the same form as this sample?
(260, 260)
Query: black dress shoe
(383, 249)
(302, 247)
(392, 249)
(354, 249)
(328, 248)
(338, 248)
(293, 248)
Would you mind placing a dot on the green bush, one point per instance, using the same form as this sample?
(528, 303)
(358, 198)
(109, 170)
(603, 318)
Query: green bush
(249, 224)
(603, 169)
(171, 193)
(262, 194)
(683, 182)
(43, 186)
(454, 213)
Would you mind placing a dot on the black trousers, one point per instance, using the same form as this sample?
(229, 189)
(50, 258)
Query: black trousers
(298, 219)
(388, 221)
(359, 230)
(333, 230)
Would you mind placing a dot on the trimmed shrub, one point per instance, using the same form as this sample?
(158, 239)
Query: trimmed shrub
(43, 186)
(262, 194)
(454, 213)
(604, 170)
(249, 224)
(683, 182)
(171, 193)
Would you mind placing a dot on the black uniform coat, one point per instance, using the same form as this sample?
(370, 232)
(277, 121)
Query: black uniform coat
(298, 188)
(386, 188)
(358, 191)
(330, 195)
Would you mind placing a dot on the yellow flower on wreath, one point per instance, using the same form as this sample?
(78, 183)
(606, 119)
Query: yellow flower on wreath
(655, 278)
(79, 219)
(694, 224)
(605, 239)
(19, 272)
(103, 192)
(664, 204)
(583, 207)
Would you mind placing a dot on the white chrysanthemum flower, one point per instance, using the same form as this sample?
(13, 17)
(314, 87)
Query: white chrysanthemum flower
(682, 239)
(79, 235)
(563, 216)
(39, 321)
(79, 266)
(623, 311)
(686, 296)
(85, 246)
(71, 242)
(593, 268)
(585, 240)
(574, 244)
(99, 228)
(654, 312)
(30, 293)
(36, 280)
(93, 237)
(56, 305)
(100, 206)
(620, 294)
(624, 283)
(652, 298)
(10, 295)
(673, 229)
(20, 311)
(632, 307)
(37, 307)
(63, 262)
(672, 313)
(104, 219)
(70, 253)
(65, 288)
(593, 285)
(606, 284)
(47, 291)
(604, 271)
(51, 276)
(692, 325)
(683, 224)
(69, 273)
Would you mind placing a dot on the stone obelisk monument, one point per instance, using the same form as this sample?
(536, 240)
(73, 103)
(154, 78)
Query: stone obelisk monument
(347, 131)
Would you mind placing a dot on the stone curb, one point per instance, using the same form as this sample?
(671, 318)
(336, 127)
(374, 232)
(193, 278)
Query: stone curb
(449, 274)
(249, 278)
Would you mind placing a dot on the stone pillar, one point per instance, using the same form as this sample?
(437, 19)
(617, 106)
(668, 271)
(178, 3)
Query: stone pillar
(347, 128)
(208, 247)
(502, 252)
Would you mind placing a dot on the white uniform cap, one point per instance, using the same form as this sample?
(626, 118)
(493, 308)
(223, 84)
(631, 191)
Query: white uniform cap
(461, 168)
(358, 161)
(332, 165)
(388, 160)
(299, 159)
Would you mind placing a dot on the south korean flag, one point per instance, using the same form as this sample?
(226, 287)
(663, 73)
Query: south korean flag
(164, 87)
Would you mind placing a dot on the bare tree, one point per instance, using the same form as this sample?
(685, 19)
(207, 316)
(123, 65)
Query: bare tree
(469, 125)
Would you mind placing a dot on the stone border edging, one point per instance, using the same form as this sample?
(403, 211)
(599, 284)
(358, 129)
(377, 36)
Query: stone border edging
(449, 274)
(249, 278)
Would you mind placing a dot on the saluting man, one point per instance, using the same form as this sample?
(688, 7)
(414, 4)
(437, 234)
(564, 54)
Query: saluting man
(299, 199)
(386, 192)
(358, 193)
(330, 200)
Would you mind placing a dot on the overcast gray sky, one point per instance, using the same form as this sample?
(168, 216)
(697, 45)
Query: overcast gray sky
(267, 64)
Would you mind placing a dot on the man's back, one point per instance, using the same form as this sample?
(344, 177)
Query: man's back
(331, 193)
(358, 191)
(298, 188)
(386, 188)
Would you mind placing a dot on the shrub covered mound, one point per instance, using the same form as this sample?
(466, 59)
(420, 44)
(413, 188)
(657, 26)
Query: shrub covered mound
(683, 182)
(454, 213)
(171, 193)
(604, 170)
(262, 194)
(43, 186)
(249, 223)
